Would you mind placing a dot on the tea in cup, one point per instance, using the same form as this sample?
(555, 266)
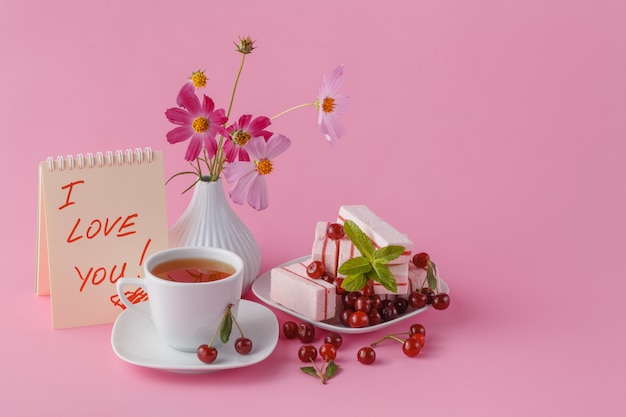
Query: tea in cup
(189, 290)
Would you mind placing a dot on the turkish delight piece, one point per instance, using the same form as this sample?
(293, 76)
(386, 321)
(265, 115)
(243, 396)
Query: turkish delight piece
(292, 288)
(379, 231)
(417, 277)
(332, 253)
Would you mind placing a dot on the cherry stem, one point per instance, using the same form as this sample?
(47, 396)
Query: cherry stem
(234, 320)
(219, 326)
(389, 336)
(318, 371)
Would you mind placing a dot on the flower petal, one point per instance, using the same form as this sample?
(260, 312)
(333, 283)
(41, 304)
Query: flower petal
(238, 169)
(178, 116)
(190, 101)
(194, 148)
(276, 145)
(258, 195)
(179, 134)
(183, 94)
(239, 192)
(256, 148)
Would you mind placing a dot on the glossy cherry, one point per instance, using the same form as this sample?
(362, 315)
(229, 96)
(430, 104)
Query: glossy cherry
(417, 299)
(290, 329)
(417, 328)
(328, 352)
(206, 353)
(307, 353)
(411, 347)
(366, 355)
(315, 269)
(441, 301)
(243, 345)
(421, 260)
(335, 231)
(359, 319)
(334, 339)
(306, 332)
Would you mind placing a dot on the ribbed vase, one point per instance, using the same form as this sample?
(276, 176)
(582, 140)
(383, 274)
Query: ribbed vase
(209, 220)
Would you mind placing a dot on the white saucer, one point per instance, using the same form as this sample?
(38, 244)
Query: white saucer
(261, 288)
(135, 341)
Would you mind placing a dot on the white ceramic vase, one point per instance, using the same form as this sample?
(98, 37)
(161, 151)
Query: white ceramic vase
(209, 220)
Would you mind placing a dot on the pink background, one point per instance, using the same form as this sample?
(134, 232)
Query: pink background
(492, 132)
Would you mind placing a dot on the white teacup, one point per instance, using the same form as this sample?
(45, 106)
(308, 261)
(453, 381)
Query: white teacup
(186, 314)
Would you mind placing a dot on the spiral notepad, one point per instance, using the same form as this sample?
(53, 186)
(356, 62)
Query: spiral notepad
(100, 216)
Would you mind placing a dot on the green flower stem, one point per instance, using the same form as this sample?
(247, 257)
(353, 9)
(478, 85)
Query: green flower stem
(299, 106)
(232, 97)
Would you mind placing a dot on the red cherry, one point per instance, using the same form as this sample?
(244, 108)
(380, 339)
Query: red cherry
(335, 231)
(417, 299)
(366, 355)
(441, 301)
(429, 294)
(359, 319)
(315, 269)
(363, 303)
(290, 329)
(334, 339)
(206, 353)
(374, 317)
(411, 347)
(243, 345)
(419, 337)
(421, 260)
(307, 353)
(344, 317)
(417, 328)
(328, 352)
(306, 332)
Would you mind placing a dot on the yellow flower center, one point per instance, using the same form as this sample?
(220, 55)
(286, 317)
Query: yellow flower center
(328, 105)
(264, 166)
(240, 137)
(198, 79)
(201, 124)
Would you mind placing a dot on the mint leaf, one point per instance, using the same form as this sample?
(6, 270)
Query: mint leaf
(227, 327)
(355, 266)
(431, 276)
(354, 282)
(360, 239)
(385, 277)
(388, 253)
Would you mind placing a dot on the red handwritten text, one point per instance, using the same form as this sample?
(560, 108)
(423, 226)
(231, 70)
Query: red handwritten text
(69, 188)
(105, 227)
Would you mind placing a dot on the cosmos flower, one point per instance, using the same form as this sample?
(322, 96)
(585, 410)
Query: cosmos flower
(198, 121)
(249, 176)
(240, 134)
(331, 104)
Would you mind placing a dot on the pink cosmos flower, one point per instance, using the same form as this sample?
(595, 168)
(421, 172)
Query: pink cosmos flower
(331, 105)
(249, 176)
(240, 134)
(198, 121)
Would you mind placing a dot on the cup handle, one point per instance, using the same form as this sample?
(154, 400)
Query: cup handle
(139, 282)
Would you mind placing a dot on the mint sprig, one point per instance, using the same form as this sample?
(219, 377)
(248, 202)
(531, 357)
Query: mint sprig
(372, 264)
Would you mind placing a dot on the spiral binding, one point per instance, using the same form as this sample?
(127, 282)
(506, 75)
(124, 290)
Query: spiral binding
(109, 158)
